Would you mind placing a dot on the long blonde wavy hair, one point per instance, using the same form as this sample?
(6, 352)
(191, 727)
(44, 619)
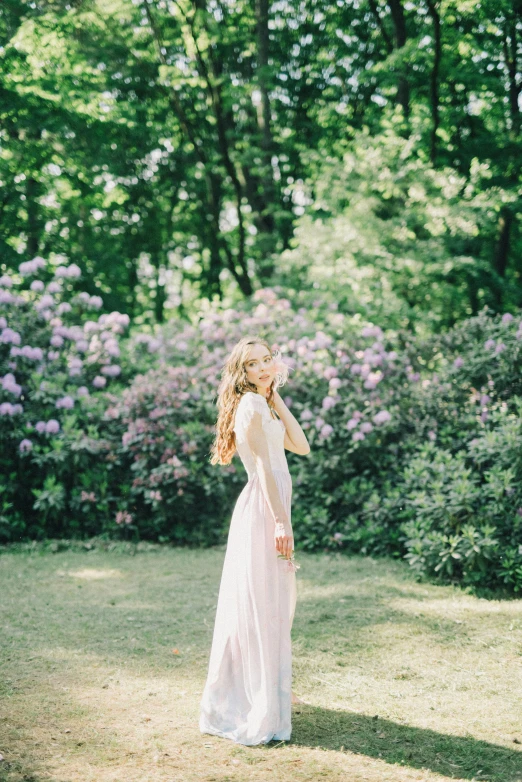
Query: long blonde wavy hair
(234, 383)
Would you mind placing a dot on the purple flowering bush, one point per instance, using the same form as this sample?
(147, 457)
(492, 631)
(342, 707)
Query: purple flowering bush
(56, 354)
(413, 452)
(456, 499)
(415, 443)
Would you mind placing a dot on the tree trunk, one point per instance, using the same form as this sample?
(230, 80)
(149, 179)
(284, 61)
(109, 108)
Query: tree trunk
(213, 282)
(401, 37)
(434, 78)
(31, 193)
(132, 278)
(160, 297)
(263, 80)
(505, 223)
(510, 46)
(374, 8)
(265, 223)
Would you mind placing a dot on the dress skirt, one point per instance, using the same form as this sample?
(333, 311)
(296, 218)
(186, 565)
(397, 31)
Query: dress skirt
(248, 691)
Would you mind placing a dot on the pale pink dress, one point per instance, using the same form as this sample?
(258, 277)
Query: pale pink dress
(247, 695)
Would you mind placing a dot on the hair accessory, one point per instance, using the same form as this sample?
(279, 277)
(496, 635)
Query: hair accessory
(281, 369)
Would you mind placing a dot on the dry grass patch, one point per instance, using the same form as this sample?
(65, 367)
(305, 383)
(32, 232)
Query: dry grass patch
(104, 657)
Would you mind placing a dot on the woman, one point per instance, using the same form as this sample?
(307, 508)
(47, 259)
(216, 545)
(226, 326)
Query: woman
(247, 695)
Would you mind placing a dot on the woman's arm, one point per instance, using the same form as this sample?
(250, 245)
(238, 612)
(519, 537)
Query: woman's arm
(295, 438)
(258, 444)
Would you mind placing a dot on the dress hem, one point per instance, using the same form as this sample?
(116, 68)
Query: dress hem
(229, 735)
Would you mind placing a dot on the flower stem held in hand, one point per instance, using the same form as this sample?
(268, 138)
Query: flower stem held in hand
(292, 565)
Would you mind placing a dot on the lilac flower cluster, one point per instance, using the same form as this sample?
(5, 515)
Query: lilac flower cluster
(94, 302)
(122, 517)
(73, 271)
(9, 336)
(52, 426)
(496, 346)
(33, 354)
(10, 385)
(365, 427)
(32, 267)
(6, 408)
(6, 297)
(66, 402)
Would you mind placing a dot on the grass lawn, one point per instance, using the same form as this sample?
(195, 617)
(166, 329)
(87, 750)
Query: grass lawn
(104, 656)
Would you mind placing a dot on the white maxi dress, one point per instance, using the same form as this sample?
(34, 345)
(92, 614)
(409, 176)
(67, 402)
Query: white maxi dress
(248, 691)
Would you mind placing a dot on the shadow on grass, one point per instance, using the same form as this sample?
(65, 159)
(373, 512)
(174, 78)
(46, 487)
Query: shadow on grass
(20, 770)
(453, 756)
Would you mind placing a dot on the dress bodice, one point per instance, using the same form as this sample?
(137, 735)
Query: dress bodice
(273, 429)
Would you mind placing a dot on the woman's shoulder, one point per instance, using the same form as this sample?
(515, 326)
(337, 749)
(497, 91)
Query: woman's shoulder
(251, 400)
(251, 403)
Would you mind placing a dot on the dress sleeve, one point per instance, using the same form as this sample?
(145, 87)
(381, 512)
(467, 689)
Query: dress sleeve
(256, 411)
(252, 403)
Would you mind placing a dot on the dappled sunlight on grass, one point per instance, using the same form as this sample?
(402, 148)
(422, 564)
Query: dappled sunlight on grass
(465, 604)
(91, 574)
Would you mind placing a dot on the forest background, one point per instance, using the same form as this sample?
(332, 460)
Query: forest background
(343, 178)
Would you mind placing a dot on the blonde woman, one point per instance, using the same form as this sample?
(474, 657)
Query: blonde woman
(248, 691)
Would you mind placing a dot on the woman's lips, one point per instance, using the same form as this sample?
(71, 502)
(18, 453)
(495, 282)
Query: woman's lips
(265, 377)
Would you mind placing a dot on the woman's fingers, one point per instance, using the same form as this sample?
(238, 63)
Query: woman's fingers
(284, 545)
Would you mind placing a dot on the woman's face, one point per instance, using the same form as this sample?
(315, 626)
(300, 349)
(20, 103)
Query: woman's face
(259, 367)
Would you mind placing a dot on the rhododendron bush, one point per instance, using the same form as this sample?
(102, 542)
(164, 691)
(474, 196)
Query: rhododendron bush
(394, 424)
(57, 355)
(415, 445)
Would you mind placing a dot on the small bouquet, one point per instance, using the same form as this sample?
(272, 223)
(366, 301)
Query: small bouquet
(292, 565)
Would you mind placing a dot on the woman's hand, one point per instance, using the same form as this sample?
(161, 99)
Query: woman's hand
(284, 540)
(276, 396)
(274, 399)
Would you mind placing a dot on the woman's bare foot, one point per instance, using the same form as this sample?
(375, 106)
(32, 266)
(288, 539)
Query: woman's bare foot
(295, 699)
